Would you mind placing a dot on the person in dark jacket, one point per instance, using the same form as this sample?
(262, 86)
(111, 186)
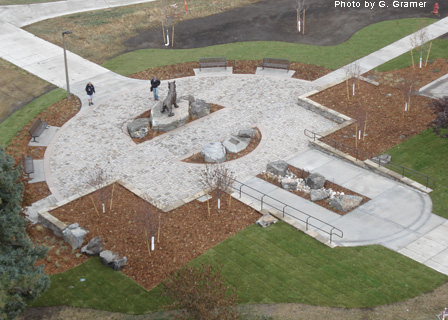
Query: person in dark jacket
(90, 89)
(155, 83)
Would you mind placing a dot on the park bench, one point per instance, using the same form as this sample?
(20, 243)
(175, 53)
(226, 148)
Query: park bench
(28, 164)
(275, 63)
(212, 63)
(37, 128)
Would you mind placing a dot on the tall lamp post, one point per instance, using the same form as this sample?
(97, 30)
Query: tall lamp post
(65, 62)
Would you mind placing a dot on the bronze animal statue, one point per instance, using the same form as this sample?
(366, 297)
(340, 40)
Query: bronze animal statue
(170, 99)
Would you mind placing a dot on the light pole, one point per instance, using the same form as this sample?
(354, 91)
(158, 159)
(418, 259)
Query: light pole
(65, 61)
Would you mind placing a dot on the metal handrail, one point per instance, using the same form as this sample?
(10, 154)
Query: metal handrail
(307, 223)
(429, 181)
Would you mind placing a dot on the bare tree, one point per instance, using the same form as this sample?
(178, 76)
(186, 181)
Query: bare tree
(217, 177)
(406, 86)
(167, 15)
(418, 41)
(353, 73)
(98, 179)
(147, 226)
(201, 294)
(300, 7)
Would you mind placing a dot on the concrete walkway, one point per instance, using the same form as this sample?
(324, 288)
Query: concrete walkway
(397, 216)
(385, 54)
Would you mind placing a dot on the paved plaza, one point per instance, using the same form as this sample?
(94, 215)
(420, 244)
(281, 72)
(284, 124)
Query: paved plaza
(97, 138)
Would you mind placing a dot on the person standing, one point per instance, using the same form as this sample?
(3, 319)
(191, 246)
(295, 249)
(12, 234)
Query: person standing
(155, 83)
(90, 89)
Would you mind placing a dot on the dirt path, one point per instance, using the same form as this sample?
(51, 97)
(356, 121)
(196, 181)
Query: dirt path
(275, 20)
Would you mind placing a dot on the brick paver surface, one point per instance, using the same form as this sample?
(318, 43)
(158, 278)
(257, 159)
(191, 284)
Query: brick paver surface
(98, 138)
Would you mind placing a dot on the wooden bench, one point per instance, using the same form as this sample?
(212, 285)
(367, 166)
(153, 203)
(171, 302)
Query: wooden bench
(212, 63)
(275, 63)
(28, 164)
(37, 128)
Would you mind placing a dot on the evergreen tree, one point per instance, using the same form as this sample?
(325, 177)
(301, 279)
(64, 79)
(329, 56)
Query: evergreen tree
(20, 280)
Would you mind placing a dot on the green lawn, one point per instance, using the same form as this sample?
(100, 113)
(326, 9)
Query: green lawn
(14, 123)
(363, 42)
(274, 265)
(439, 50)
(102, 289)
(428, 154)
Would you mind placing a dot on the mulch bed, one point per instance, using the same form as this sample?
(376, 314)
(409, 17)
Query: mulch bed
(185, 233)
(303, 71)
(379, 110)
(299, 173)
(197, 157)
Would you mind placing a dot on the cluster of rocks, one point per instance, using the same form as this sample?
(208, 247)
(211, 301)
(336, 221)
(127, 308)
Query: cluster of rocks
(313, 184)
(216, 151)
(189, 108)
(74, 236)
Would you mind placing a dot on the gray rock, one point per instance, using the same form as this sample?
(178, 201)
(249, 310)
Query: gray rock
(319, 194)
(384, 158)
(214, 152)
(138, 128)
(289, 184)
(266, 220)
(188, 97)
(112, 260)
(74, 235)
(247, 133)
(199, 108)
(345, 202)
(161, 122)
(315, 181)
(279, 168)
(93, 248)
(234, 144)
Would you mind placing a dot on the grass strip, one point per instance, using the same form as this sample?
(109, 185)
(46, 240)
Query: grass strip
(14, 123)
(103, 289)
(301, 270)
(427, 153)
(362, 43)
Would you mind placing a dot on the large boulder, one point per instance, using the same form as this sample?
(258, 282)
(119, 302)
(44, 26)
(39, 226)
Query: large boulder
(162, 122)
(315, 181)
(319, 194)
(266, 220)
(345, 203)
(112, 260)
(384, 159)
(93, 248)
(279, 168)
(289, 184)
(74, 235)
(138, 128)
(188, 97)
(247, 133)
(234, 144)
(199, 108)
(214, 152)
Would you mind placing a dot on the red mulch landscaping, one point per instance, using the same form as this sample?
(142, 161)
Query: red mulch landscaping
(184, 234)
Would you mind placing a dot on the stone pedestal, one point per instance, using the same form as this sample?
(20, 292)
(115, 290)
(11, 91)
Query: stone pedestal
(161, 122)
